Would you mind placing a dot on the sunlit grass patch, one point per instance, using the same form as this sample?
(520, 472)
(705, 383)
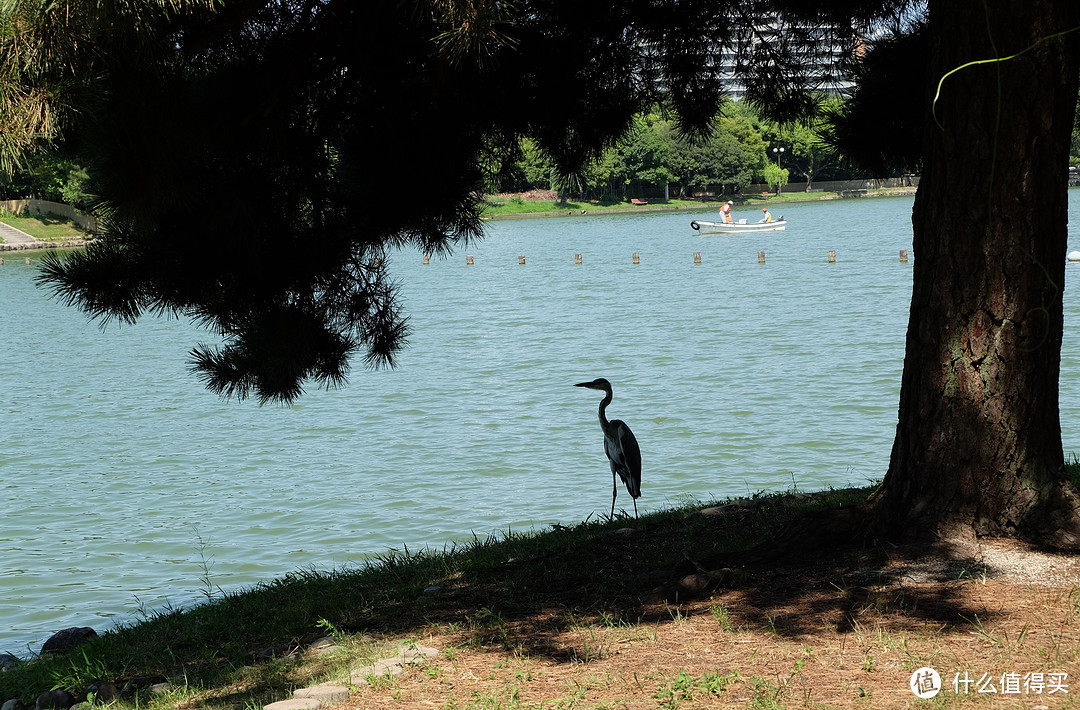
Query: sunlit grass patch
(47, 227)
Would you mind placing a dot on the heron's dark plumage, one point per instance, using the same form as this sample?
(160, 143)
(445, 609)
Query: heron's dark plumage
(620, 445)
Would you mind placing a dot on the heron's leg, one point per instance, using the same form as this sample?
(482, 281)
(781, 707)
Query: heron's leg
(635, 508)
(614, 494)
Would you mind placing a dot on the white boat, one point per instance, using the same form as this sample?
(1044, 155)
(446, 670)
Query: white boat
(738, 227)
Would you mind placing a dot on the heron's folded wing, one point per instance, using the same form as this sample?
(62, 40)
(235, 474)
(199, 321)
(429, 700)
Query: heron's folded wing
(631, 459)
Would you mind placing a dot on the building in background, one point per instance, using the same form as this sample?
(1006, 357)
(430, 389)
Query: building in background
(824, 54)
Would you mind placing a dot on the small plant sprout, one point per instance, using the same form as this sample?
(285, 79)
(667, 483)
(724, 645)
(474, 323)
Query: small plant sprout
(722, 616)
(329, 627)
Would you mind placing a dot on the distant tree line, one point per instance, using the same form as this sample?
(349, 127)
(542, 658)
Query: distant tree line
(654, 154)
(739, 153)
(651, 154)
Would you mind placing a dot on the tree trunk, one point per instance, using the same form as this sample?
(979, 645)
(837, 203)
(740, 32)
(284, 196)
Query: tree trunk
(978, 443)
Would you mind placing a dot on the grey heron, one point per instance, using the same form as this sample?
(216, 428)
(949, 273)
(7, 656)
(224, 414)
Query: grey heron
(621, 447)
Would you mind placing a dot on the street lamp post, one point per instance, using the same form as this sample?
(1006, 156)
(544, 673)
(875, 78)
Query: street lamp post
(779, 153)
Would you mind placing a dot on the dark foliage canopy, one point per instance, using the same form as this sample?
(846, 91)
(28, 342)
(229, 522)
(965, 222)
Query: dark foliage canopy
(878, 130)
(237, 149)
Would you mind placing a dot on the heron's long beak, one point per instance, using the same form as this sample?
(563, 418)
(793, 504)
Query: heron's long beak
(583, 384)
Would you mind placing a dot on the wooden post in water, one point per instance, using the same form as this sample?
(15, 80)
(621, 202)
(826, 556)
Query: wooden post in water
(521, 260)
(903, 256)
(697, 257)
(468, 260)
(832, 256)
(427, 259)
(577, 258)
(637, 259)
(761, 257)
(28, 261)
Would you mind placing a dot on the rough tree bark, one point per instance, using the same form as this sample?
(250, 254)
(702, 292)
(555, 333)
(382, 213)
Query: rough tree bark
(978, 444)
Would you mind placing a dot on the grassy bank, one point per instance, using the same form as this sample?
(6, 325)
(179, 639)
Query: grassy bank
(46, 227)
(509, 207)
(596, 615)
(562, 578)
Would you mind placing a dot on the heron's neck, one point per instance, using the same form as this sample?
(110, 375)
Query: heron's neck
(603, 405)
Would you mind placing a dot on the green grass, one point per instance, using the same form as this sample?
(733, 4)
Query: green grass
(496, 207)
(46, 227)
(1072, 468)
(490, 588)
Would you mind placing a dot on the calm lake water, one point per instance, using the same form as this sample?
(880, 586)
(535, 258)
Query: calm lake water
(123, 482)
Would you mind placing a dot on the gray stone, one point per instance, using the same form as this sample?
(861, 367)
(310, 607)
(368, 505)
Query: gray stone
(295, 704)
(325, 646)
(329, 651)
(139, 683)
(7, 661)
(326, 693)
(103, 691)
(414, 654)
(13, 704)
(56, 699)
(379, 669)
(408, 654)
(66, 639)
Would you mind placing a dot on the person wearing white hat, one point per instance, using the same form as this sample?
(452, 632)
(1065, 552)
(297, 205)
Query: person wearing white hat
(726, 211)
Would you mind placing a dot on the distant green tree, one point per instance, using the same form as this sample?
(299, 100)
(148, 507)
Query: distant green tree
(607, 176)
(748, 132)
(646, 152)
(730, 159)
(637, 160)
(50, 176)
(535, 165)
(806, 151)
(74, 192)
(775, 176)
(517, 167)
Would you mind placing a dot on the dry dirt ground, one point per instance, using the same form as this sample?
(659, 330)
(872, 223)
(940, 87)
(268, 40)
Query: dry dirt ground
(999, 624)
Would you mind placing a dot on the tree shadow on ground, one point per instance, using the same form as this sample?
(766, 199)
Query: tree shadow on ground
(793, 584)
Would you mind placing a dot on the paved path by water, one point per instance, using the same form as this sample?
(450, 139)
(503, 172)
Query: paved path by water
(10, 235)
(18, 240)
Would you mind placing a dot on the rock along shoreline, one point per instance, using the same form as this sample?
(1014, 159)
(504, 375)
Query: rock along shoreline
(44, 246)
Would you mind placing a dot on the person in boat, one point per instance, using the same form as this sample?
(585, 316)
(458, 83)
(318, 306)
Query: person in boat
(726, 212)
(768, 215)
